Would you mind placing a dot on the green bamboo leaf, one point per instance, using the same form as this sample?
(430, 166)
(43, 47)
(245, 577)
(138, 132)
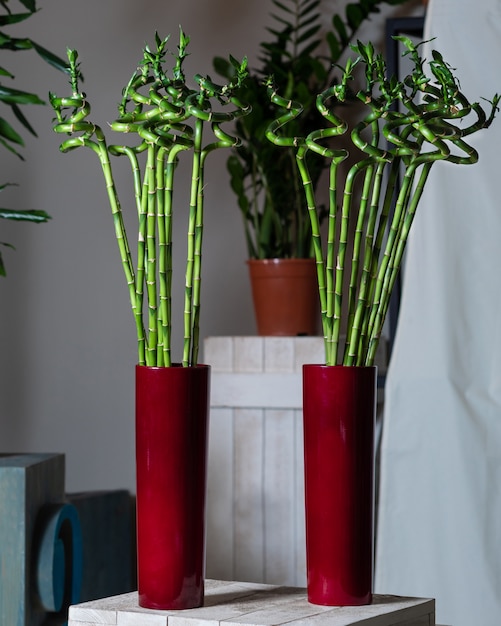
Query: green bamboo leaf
(7, 185)
(308, 7)
(15, 96)
(31, 5)
(308, 34)
(4, 72)
(13, 18)
(15, 43)
(308, 50)
(281, 20)
(334, 47)
(282, 6)
(236, 171)
(2, 266)
(311, 20)
(355, 16)
(29, 215)
(5, 41)
(340, 27)
(22, 119)
(223, 67)
(9, 133)
(11, 148)
(51, 58)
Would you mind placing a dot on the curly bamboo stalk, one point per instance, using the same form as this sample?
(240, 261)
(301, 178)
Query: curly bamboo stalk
(190, 274)
(356, 336)
(162, 110)
(420, 136)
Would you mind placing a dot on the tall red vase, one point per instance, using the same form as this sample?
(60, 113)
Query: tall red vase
(339, 423)
(172, 408)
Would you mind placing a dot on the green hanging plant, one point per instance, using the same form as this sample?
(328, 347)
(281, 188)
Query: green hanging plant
(168, 117)
(359, 259)
(14, 99)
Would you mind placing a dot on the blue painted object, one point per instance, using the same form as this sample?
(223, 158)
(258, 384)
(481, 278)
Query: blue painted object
(59, 558)
(57, 550)
(27, 483)
(109, 548)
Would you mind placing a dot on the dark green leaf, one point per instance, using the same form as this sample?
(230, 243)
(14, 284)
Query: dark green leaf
(282, 6)
(307, 8)
(334, 47)
(15, 96)
(13, 43)
(51, 58)
(223, 67)
(7, 185)
(13, 18)
(9, 133)
(355, 16)
(281, 20)
(30, 215)
(20, 116)
(338, 24)
(31, 5)
(308, 50)
(4, 40)
(314, 18)
(2, 266)
(4, 72)
(11, 148)
(308, 34)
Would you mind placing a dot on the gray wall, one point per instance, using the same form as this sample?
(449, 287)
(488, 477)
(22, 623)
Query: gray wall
(67, 341)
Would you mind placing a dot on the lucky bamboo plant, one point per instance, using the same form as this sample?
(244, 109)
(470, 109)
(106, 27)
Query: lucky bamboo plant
(169, 117)
(359, 256)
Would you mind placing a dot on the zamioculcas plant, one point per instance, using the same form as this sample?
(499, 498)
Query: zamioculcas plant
(300, 53)
(169, 118)
(14, 99)
(358, 264)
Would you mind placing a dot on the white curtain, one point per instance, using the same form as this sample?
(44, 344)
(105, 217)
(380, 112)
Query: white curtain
(439, 523)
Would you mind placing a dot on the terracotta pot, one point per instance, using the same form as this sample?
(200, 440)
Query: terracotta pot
(339, 422)
(285, 296)
(172, 408)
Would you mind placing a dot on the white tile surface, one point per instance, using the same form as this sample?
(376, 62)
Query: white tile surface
(256, 457)
(248, 354)
(248, 520)
(218, 353)
(220, 495)
(275, 390)
(278, 354)
(253, 604)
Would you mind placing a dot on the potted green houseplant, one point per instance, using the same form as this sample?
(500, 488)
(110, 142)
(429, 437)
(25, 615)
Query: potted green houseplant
(301, 56)
(171, 120)
(15, 99)
(357, 259)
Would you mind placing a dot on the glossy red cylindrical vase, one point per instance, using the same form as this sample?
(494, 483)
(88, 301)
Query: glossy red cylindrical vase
(339, 421)
(172, 408)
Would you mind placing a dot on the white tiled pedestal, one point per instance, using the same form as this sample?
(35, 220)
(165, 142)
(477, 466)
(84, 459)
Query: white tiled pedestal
(255, 604)
(255, 503)
(255, 466)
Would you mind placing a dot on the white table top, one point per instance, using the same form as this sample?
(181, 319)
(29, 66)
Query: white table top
(254, 604)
